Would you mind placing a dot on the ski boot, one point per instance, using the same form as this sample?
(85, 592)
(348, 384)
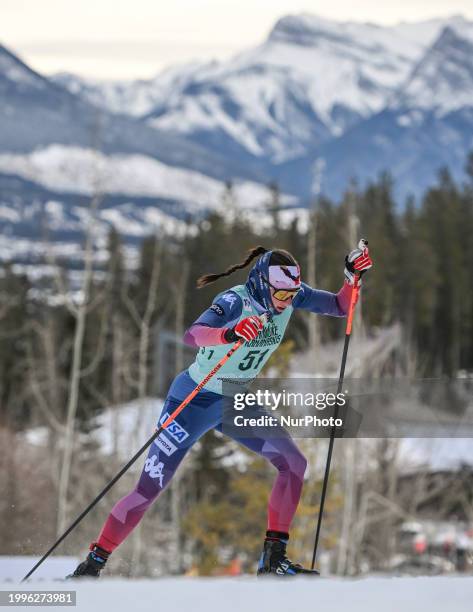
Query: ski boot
(273, 560)
(93, 564)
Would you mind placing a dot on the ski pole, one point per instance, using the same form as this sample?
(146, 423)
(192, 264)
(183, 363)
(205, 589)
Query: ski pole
(157, 432)
(351, 309)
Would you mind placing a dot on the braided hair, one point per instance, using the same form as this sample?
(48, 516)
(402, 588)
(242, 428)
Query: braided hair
(278, 257)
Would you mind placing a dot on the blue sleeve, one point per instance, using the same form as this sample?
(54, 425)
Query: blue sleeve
(225, 311)
(318, 301)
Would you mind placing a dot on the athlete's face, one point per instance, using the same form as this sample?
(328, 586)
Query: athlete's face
(280, 305)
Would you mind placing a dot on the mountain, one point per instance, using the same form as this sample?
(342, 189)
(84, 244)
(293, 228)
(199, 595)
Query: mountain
(85, 171)
(135, 98)
(364, 98)
(45, 205)
(57, 148)
(443, 80)
(36, 112)
(427, 124)
(311, 80)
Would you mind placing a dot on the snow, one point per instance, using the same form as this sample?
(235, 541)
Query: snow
(405, 41)
(8, 213)
(13, 247)
(327, 63)
(122, 223)
(81, 170)
(331, 72)
(442, 81)
(135, 98)
(437, 453)
(411, 118)
(12, 569)
(14, 70)
(306, 63)
(153, 217)
(127, 426)
(252, 595)
(138, 418)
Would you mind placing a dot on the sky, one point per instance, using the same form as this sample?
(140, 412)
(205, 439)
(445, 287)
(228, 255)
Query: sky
(128, 39)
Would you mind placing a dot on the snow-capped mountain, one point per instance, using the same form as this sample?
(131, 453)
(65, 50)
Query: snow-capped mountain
(135, 98)
(48, 169)
(15, 74)
(443, 80)
(36, 112)
(309, 81)
(364, 98)
(427, 125)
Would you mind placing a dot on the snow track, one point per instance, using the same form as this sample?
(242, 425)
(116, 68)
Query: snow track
(249, 594)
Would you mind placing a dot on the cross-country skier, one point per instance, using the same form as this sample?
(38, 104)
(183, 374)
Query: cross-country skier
(273, 286)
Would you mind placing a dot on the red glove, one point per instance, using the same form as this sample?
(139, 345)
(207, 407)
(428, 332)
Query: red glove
(247, 329)
(358, 262)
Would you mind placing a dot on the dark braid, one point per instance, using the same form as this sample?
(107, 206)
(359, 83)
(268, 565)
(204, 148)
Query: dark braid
(211, 278)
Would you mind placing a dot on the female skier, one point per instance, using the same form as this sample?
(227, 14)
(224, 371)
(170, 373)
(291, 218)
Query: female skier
(273, 286)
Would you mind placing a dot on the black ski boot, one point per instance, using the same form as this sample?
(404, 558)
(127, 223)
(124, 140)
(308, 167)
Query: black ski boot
(273, 559)
(93, 564)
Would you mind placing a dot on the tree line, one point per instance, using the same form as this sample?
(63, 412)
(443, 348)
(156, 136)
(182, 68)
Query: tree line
(64, 359)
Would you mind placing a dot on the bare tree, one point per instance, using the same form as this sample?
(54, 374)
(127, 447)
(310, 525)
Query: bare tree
(144, 325)
(314, 335)
(180, 300)
(79, 311)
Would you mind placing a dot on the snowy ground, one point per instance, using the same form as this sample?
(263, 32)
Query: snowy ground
(248, 594)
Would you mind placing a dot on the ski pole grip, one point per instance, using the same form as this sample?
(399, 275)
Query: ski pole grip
(353, 300)
(265, 317)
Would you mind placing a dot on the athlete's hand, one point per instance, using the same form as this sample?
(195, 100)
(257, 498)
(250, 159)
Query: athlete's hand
(358, 262)
(247, 329)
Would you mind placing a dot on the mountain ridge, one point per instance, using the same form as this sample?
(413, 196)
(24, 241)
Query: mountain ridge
(363, 97)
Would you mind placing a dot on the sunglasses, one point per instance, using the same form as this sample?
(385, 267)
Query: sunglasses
(282, 294)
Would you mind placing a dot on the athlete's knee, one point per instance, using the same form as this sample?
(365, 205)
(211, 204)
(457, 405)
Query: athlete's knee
(291, 460)
(298, 463)
(146, 494)
(132, 505)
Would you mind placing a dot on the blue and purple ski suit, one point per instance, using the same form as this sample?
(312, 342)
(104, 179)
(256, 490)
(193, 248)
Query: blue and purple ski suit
(205, 411)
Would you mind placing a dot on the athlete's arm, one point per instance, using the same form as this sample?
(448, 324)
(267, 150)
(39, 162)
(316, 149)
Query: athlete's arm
(210, 328)
(324, 302)
(357, 262)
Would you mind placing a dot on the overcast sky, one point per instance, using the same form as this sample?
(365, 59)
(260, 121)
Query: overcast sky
(117, 39)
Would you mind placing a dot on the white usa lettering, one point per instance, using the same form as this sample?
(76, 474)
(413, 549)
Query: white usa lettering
(174, 429)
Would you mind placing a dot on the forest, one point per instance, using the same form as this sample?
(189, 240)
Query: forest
(69, 355)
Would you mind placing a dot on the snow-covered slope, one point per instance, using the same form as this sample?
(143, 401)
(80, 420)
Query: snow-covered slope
(435, 594)
(363, 97)
(14, 73)
(52, 187)
(428, 124)
(84, 171)
(348, 64)
(312, 79)
(443, 79)
(36, 112)
(134, 98)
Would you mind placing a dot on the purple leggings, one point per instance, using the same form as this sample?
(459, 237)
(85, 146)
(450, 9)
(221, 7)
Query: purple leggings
(169, 449)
